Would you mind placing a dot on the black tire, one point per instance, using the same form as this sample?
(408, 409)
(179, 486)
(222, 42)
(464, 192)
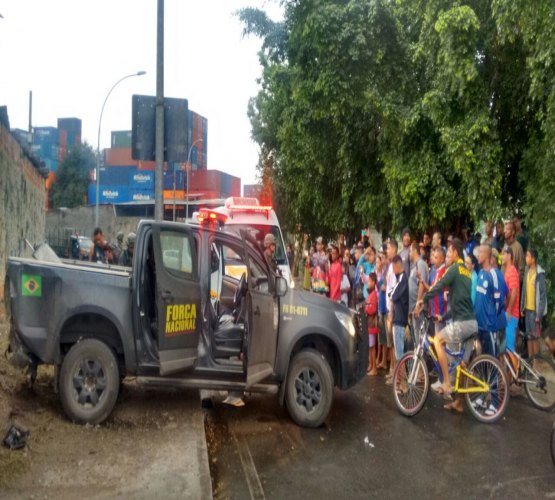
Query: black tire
(541, 393)
(552, 444)
(309, 389)
(410, 398)
(487, 407)
(89, 382)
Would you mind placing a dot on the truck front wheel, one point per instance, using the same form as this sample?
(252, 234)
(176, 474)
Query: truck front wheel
(309, 389)
(89, 382)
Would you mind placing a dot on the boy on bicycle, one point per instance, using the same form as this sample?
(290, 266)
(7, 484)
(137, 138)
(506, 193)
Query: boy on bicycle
(458, 281)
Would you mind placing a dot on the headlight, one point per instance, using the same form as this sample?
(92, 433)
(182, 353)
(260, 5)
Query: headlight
(347, 321)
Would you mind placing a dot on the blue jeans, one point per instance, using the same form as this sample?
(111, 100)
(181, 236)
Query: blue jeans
(399, 341)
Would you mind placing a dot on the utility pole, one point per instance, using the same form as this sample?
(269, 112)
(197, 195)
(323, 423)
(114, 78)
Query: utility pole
(159, 134)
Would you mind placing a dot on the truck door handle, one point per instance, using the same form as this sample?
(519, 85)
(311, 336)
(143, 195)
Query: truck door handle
(166, 295)
(257, 311)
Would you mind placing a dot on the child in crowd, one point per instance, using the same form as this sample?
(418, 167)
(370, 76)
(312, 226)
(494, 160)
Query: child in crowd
(371, 310)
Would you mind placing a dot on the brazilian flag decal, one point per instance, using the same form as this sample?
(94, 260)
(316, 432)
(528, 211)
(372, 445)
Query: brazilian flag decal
(31, 286)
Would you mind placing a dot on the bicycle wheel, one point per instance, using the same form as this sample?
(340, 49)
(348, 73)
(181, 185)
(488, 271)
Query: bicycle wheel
(487, 406)
(541, 392)
(410, 397)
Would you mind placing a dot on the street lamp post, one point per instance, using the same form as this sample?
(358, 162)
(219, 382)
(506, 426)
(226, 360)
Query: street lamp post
(187, 166)
(96, 207)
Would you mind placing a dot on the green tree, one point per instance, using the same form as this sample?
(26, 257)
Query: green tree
(436, 113)
(72, 177)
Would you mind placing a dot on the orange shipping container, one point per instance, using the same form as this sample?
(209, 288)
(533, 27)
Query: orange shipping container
(179, 194)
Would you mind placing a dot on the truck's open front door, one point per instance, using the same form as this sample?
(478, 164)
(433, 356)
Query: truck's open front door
(262, 329)
(177, 298)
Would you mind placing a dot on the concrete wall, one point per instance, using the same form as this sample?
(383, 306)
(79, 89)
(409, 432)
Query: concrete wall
(82, 220)
(22, 202)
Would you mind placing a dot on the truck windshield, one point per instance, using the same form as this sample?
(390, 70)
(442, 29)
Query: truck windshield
(258, 231)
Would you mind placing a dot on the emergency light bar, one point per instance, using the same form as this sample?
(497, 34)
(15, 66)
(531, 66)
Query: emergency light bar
(246, 205)
(206, 216)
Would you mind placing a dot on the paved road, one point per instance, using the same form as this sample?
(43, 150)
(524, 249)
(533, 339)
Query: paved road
(368, 450)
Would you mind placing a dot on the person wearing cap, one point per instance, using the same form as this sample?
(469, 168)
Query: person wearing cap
(127, 255)
(269, 253)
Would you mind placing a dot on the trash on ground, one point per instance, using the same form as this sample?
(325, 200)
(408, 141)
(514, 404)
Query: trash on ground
(15, 438)
(368, 443)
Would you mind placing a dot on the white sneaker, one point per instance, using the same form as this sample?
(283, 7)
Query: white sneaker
(491, 411)
(478, 403)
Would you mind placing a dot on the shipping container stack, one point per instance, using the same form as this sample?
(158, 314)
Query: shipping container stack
(124, 180)
(69, 135)
(212, 184)
(121, 179)
(45, 146)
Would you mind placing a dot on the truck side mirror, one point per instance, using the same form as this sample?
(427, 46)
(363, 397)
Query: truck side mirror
(281, 286)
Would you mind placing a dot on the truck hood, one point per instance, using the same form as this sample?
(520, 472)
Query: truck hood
(309, 299)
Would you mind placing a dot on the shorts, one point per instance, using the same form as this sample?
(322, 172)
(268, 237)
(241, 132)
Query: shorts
(382, 335)
(459, 331)
(532, 327)
(372, 339)
(510, 333)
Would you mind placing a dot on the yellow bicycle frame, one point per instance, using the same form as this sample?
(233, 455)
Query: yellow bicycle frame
(481, 387)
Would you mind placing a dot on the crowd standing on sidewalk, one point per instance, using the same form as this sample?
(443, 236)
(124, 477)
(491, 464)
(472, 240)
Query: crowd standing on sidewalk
(506, 287)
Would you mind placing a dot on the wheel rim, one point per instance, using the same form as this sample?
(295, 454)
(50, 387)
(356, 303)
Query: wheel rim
(89, 383)
(487, 405)
(542, 391)
(410, 395)
(308, 388)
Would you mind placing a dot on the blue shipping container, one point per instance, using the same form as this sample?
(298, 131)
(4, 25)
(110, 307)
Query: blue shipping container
(180, 179)
(109, 194)
(115, 176)
(141, 195)
(141, 180)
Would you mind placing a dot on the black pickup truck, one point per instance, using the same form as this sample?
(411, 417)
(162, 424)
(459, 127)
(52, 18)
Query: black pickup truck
(179, 318)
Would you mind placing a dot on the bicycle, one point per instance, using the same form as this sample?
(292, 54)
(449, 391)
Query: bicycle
(537, 375)
(483, 382)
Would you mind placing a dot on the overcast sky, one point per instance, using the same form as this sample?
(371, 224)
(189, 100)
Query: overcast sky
(70, 52)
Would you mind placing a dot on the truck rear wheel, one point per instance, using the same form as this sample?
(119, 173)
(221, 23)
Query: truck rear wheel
(89, 382)
(309, 389)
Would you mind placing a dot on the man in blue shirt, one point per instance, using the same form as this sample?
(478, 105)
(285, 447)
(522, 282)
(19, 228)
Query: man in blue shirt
(484, 307)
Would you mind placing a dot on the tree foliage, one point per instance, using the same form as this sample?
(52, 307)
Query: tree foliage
(72, 177)
(432, 113)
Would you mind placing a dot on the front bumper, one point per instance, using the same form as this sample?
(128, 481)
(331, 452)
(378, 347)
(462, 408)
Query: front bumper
(356, 365)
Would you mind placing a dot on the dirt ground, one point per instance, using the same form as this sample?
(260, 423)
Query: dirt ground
(142, 451)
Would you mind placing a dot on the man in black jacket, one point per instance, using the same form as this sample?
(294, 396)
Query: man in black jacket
(400, 299)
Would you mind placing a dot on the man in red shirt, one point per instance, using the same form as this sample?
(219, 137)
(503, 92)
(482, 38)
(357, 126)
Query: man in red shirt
(513, 296)
(335, 275)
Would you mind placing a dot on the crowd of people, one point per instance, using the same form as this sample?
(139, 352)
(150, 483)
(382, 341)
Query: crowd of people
(491, 285)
